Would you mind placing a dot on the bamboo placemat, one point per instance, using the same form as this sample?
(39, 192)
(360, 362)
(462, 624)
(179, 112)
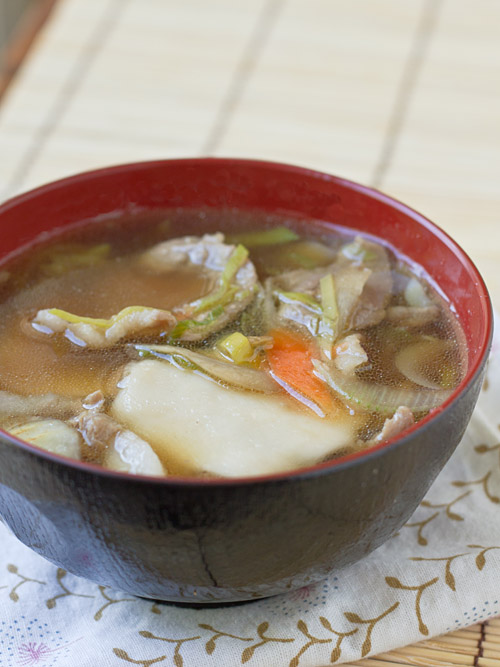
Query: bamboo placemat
(477, 645)
(401, 95)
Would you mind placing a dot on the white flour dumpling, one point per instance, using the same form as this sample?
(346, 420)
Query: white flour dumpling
(203, 427)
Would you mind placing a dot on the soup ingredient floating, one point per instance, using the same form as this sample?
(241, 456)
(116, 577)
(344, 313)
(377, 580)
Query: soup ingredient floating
(252, 353)
(234, 276)
(225, 433)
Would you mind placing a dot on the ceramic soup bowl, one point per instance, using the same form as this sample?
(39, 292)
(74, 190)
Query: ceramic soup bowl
(221, 540)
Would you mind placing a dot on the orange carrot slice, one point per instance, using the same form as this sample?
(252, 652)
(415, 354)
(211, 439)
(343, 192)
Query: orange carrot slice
(290, 361)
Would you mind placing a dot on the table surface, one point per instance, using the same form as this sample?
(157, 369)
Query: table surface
(403, 96)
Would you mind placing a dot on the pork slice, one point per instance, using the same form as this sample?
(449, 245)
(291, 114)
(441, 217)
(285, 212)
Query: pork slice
(350, 281)
(300, 280)
(401, 420)
(46, 405)
(412, 316)
(120, 448)
(212, 254)
(349, 353)
(208, 251)
(300, 315)
(363, 285)
(371, 306)
(88, 334)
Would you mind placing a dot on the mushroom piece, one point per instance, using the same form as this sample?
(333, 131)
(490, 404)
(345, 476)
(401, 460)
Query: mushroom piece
(428, 363)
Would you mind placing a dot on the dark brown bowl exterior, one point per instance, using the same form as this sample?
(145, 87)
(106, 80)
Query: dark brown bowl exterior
(222, 541)
(226, 542)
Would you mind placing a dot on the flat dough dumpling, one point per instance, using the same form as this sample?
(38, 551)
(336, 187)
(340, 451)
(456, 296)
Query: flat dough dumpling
(199, 426)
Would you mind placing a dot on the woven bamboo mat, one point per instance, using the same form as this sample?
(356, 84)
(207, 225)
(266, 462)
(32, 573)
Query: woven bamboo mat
(478, 645)
(404, 96)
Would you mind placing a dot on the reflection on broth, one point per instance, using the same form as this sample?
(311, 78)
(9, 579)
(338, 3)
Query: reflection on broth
(220, 343)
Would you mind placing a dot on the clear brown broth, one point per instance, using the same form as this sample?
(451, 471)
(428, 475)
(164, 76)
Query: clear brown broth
(33, 364)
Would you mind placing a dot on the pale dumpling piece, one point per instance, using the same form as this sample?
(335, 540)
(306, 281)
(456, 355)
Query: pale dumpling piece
(201, 427)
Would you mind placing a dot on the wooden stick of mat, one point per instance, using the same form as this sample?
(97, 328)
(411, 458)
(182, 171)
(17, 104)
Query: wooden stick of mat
(445, 644)
(475, 646)
(389, 661)
(494, 640)
(495, 629)
(421, 655)
(466, 633)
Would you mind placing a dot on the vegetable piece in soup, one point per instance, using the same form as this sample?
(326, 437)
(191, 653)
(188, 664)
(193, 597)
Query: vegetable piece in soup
(219, 343)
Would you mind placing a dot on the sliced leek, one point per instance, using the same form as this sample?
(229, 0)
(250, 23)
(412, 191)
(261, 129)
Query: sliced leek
(71, 318)
(225, 290)
(266, 237)
(236, 347)
(293, 297)
(328, 328)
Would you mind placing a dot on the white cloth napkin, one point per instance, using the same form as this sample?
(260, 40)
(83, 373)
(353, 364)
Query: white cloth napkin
(440, 573)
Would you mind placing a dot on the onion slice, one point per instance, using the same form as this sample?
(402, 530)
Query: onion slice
(375, 397)
(224, 371)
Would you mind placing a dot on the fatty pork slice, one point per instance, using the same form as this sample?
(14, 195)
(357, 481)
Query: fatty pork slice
(103, 333)
(201, 427)
(47, 405)
(226, 266)
(233, 274)
(122, 450)
(363, 286)
(401, 420)
(371, 308)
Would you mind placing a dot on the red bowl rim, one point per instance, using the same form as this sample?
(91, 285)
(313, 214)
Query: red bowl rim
(321, 468)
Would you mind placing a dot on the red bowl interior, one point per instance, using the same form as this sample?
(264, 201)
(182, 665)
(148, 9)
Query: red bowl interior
(270, 187)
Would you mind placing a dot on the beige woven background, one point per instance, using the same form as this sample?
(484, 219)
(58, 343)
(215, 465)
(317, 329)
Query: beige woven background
(404, 95)
(400, 94)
